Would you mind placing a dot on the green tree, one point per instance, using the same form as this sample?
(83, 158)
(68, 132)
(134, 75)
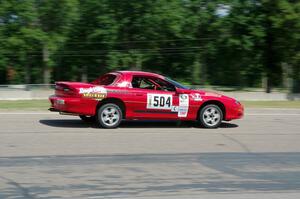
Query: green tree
(36, 29)
(233, 43)
(281, 22)
(54, 20)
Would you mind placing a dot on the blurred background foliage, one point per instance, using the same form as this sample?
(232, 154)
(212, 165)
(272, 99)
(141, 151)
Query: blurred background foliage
(241, 43)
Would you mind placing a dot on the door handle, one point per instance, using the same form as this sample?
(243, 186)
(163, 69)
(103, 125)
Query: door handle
(139, 94)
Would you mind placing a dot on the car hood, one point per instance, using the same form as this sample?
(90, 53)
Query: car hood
(209, 94)
(204, 92)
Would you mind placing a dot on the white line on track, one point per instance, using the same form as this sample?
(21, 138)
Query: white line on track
(273, 109)
(272, 114)
(27, 113)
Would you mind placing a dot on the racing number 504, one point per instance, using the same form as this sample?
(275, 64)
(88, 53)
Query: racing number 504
(161, 101)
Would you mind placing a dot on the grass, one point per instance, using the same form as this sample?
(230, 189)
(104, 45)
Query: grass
(38, 105)
(43, 105)
(271, 104)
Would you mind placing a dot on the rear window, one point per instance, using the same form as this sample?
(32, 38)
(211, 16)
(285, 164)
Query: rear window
(106, 80)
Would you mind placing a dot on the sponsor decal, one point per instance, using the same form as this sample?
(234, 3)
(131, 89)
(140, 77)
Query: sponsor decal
(159, 101)
(183, 105)
(196, 97)
(96, 89)
(174, 108)
(97, 92)
(94, 95)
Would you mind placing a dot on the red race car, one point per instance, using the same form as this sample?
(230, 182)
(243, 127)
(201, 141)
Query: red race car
(130, 95)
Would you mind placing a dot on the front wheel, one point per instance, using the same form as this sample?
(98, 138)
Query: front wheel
(109, 115)
(211, 116)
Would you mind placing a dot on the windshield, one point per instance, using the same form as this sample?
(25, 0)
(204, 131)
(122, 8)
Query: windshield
(177, 84)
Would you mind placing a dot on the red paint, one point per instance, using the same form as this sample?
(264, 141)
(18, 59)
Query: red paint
(135, 99)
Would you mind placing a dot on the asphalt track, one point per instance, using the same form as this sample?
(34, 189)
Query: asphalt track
(46, 155)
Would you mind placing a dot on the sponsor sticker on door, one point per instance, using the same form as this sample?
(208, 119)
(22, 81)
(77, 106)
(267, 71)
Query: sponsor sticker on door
(183, 105)
(174, 109)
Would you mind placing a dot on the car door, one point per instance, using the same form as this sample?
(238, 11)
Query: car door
(151, 101)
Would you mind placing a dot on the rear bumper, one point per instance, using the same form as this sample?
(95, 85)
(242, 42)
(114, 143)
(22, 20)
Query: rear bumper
(75, 106)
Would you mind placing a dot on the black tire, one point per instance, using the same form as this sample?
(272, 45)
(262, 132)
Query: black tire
(211, 116)
(109, 116)
(86, 118)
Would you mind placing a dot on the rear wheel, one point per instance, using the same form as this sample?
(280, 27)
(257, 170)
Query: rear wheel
(211, 116)
(109, 115)
(86, 118)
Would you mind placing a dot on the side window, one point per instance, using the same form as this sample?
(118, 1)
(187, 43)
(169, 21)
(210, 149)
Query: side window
(106, 79)
(142, 82)
(165, 86)
(146, 84)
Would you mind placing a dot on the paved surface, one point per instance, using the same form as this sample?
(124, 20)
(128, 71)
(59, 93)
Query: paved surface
(18, 92)
(45, 155)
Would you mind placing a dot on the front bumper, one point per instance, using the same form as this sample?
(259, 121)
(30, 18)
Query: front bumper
(240, 112)
(235, 112)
